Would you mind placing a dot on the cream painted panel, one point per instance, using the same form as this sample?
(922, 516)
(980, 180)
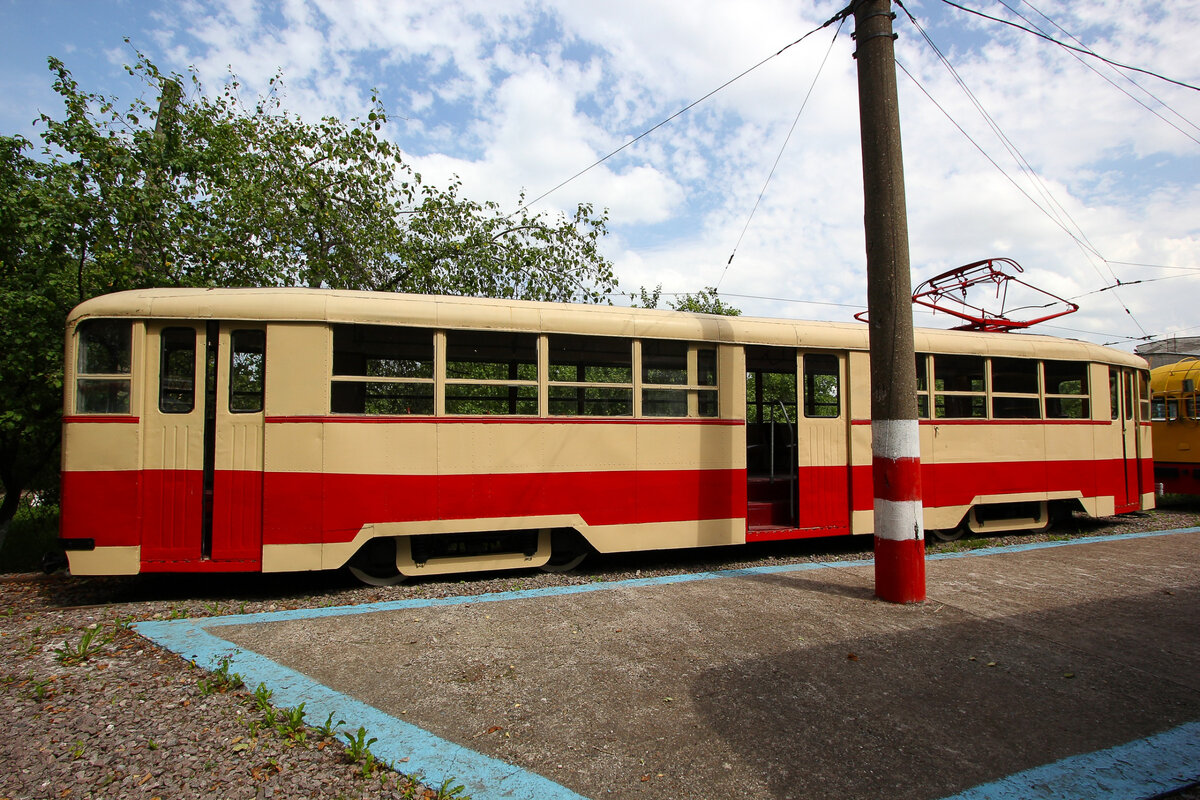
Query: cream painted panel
(105, 561)
(476, 448)
(405, 448)
(174, 446)
(666, 535)
(90, 446)
(969, 443)
(691, 446)
(298, 369)
(294, 447)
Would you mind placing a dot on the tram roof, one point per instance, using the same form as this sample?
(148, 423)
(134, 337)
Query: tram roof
(475, 313)
(1170, 378)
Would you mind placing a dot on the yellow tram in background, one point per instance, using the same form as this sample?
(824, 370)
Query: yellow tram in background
(1175, 426)
(305, 429)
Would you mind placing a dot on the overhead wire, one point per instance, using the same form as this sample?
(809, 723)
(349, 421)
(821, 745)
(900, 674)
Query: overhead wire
(779, 156)
(1083, 50)
(683, 110)
(1089, 250)
(1074, 54)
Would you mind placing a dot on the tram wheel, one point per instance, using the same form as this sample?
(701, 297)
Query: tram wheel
(948, 534)
(375, 563)
(567, 551)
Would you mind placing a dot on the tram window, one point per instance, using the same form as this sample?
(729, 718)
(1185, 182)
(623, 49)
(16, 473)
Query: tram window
(1114, 397)
(1172, 410)
(491, 372)
(102, 385)
(1014, 376)
(382, 369)
(678, 379)
(177, 371)
(1143, 379)
(959, 385)
(664, 362)
(1190, 407)
(590, 376)
(821, 385)
(1158, 409)
(923, 385)
(1015, 389)
(247, 371)
(1067, 390)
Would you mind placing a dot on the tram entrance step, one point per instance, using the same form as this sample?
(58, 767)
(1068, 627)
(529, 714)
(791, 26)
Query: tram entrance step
(767, 514)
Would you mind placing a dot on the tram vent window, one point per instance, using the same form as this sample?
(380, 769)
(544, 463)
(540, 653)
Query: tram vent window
(590, 376)
(923, 385)
(382, 369)
(678, 379)
(959, 384)
(1015, 389)
(103, 367)
(491, 372)
(1067, 390)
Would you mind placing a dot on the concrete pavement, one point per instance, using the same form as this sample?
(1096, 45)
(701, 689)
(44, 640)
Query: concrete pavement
(1067, 670)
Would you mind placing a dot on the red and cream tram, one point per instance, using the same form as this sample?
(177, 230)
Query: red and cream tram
(299, 429)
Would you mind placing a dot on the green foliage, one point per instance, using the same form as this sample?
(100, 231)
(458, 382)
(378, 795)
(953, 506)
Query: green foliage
(221, 679)
(197, 189)
(705, 301)
(358, 746)
(91, 642)
(32, 534)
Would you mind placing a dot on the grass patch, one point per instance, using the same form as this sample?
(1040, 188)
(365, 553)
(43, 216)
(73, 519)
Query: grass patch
(32, 534)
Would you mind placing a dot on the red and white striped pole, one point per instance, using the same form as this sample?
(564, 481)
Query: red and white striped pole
(895, 447)
(899, 530)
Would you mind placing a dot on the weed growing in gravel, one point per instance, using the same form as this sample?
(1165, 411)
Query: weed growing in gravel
(221, 680)
(359, 746)
(90, 643)
(328, 730)
(291, 724)
(262, 697)
(41, 690)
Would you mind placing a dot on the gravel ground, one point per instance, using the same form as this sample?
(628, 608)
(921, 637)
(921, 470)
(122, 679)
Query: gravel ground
(96, 711)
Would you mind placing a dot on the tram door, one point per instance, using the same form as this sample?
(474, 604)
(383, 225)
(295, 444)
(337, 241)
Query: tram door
(203, 442)
(1123, 385)
(822, 443)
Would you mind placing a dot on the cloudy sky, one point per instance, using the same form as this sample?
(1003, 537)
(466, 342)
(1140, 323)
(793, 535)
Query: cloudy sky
(520, 96)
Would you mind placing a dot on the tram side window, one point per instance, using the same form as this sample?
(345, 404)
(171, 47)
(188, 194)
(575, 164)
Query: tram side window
(177, 371)
(591, 376)
(1067, 390)
(491, 372)
(1114, 396)
(1158, 408)
(1015, 389)
(1143, 379)
(923, 385)
(247, 371)
(678, 379)
(959, 387)
(821, 385)
(382, 369)
(103, 367)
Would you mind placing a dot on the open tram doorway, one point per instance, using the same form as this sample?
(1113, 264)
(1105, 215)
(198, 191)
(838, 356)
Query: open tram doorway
(203, 444)
(797, 444)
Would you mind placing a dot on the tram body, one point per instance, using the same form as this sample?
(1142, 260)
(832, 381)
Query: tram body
(293, 429)
(1175, 426)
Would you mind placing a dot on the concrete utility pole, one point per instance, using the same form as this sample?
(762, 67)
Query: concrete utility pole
(895, 436)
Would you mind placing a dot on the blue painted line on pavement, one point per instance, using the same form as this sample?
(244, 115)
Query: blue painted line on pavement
(1146, 768)
(487, 778)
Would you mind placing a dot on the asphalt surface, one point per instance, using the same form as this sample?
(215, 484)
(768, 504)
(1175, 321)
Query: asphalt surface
(1066, 670)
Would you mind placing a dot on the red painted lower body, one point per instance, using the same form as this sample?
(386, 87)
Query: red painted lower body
(1180, 478)
(160, 510)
